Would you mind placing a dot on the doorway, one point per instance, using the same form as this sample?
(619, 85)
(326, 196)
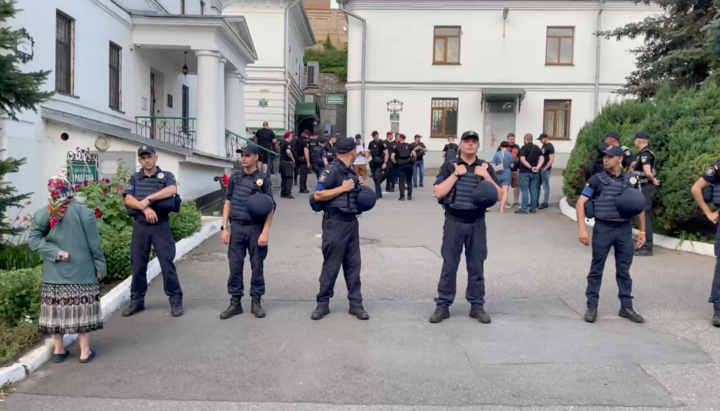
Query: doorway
(499, 120)
(152, 105)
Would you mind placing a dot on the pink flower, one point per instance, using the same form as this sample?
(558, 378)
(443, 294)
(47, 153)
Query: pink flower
(85, 183)
(98, 213)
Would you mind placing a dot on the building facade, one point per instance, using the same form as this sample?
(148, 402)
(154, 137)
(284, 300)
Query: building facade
(273, 92)
(128, 73)
(327, 22)
(496, 67)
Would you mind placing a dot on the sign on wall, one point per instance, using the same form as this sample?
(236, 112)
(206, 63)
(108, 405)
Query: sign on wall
(82, 166)
(394, 117)
(335, 99)
(395, 127)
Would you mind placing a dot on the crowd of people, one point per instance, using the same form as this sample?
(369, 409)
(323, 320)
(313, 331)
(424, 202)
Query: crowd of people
(619, 189)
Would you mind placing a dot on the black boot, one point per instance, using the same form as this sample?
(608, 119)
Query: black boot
(257, 308)
(409, 197)
(644, 252)
(631, 315)
(591, 315)
(320, 312)
(402, 198)
(176, 308)
(234, 309)
(716, 319)
(479, 314)
(439, 315)
(543, 206)
(359, 312)
(134, 308)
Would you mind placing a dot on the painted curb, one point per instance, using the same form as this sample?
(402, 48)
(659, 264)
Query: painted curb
(110, 302)
(659, 240)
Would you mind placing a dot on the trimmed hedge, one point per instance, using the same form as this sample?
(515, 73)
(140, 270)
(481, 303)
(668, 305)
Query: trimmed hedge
(684, 131)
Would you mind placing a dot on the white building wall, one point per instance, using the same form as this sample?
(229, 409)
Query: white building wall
(402, 68)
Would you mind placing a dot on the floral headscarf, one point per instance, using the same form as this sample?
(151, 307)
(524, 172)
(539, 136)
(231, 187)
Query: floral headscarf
(60, 192)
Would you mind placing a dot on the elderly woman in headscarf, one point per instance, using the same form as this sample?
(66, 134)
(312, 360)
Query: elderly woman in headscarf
(65, 234)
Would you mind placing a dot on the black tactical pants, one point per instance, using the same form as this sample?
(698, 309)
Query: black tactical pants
(244, 239)
(340, 248)
(472, 235)
(608, 234)
(160, 237)
(376, 172)
(648, 190)
(405, 172)
(715, 292)
(286, 176)
(301, 170)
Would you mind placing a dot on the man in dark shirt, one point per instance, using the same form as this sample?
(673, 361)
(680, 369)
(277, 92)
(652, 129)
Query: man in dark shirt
(464, 227)
(403, 157)
(612, 139)
(390, 167)
(548, 153)
(266, 139)
(531, 161)
(287, 166)
(514, 149)
(419, 166)
(646, 172)
(711, 179)
(301, 151)
(451, 150)
(377, 159)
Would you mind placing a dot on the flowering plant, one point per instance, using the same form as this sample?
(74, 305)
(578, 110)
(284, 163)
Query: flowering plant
(105, 197)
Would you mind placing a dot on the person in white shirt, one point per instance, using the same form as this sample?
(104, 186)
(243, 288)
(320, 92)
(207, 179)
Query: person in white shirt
(360, 163)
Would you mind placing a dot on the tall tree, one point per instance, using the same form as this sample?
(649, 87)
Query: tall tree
(676, 49)
(18, 91)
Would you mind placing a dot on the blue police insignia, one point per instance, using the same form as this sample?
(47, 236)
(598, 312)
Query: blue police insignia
(324, 176)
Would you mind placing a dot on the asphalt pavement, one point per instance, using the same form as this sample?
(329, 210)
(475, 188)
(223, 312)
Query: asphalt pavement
(537, 354)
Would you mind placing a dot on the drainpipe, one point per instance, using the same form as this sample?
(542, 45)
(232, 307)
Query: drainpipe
(601, 3)
(342, 4)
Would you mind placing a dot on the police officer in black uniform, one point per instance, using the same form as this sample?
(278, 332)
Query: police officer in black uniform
(613, 139)
(390, 168)
(148, 190)
(319, 156)
(464, 227)
(612, 229)
(287, 161)
(301, 151)
(707, 190)
(338, 189)
(249, 235)
(377, 162)
(403, 157)
(646, 173)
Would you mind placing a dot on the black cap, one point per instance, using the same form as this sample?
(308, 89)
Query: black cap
(612, 134)
(602, 147)
(470, 134)
(145, 150)
(641, 135)
(418, 136)
(345, 145)
(323, 139)
(358, 137)
(614, 151)
(542, 136)
(249, 149)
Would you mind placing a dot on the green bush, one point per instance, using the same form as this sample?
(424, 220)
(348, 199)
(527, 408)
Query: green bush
(116, 247)
(20, 295)
(105, 198)
(14, 257)
(684, 131)
(13, 339)
(187, 222)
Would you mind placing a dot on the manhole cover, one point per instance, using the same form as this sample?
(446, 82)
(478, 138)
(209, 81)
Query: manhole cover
(366, 241)
(207, 257)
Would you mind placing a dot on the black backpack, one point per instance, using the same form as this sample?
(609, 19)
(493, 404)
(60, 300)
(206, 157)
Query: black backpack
(451, 153)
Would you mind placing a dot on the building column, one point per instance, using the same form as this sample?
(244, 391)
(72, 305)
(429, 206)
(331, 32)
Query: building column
(235, 103)
(207, 101)
(221, 107)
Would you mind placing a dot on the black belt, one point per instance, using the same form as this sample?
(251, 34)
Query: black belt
(339, 216)
(612, 223)
(246, 222)
(471, 220)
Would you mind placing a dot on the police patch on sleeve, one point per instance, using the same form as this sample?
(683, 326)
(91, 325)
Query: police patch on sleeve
(161, 176)
(628, 153)
(324, 176)
(633, 180)
(643, 159)
(710, 172)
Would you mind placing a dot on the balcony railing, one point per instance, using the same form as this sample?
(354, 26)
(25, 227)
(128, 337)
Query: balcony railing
(178, 131)
(234, 142)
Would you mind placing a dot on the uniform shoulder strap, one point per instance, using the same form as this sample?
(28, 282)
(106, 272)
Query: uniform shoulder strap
(604, 178)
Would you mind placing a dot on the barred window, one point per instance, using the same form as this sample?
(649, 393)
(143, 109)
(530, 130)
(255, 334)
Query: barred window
(115, 76)
(444, 117)
(64, 53)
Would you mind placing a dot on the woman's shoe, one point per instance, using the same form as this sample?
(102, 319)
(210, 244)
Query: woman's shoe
(58, 358)
(89, 358)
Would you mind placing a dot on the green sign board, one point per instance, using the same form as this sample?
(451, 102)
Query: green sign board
(81, 171)
(394, 117)
(335, 99)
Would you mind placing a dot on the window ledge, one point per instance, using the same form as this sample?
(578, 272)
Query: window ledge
(116, 110)
(436, 63)
(559, 138)
(560, 64)
(68, 95)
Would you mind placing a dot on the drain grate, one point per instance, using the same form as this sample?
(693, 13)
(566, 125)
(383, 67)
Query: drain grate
(207, 257)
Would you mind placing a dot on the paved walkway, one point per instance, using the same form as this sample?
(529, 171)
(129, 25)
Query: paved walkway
(537, 354)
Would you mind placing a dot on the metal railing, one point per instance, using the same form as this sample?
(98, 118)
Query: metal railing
(234, 142)
(178, 131)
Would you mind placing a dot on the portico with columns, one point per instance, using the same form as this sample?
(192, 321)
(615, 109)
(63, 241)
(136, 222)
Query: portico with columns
(216, 50)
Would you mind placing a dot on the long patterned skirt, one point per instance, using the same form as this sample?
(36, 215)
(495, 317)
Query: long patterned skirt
(70, 309)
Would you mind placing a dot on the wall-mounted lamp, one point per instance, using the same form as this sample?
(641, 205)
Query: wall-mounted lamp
(185, 67)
